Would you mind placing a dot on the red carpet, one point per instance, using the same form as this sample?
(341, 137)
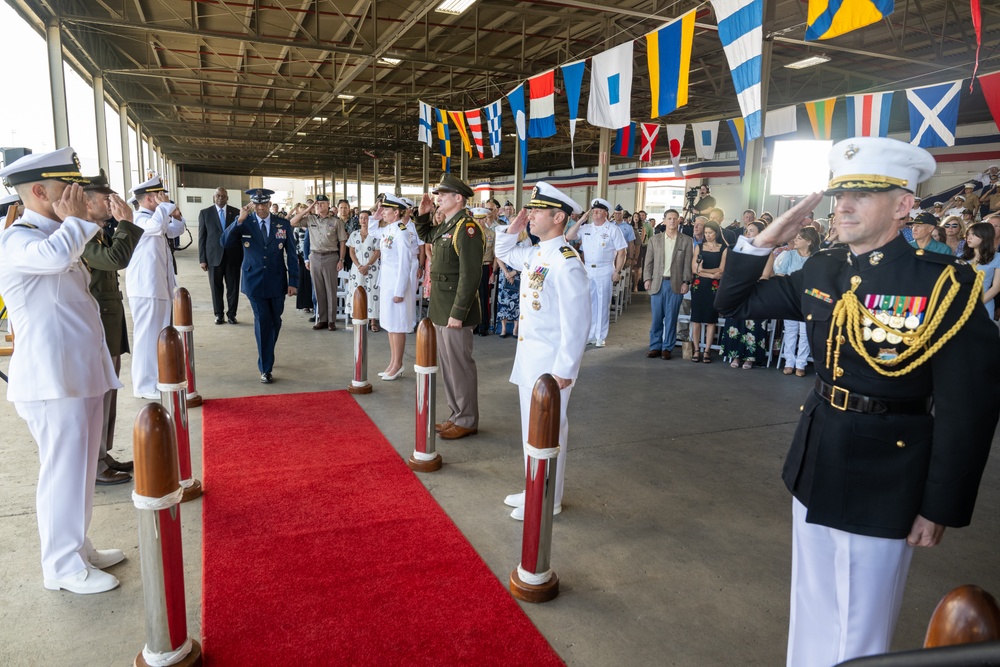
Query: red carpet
(322, 548)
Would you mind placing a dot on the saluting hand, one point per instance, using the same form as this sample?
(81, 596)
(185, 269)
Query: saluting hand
(426, 204)
(244, 212)
(519, 223)
(72, 203)
(787, 225)
(120, 209)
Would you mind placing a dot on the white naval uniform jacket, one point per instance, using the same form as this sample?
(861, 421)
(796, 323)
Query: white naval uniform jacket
(60, 350)
(555, 308)
(150, 273)
(599, 244)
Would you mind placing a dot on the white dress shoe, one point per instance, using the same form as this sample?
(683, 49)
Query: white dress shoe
(84, 582)
(105, 558)
(514, 500)
(518, 512)
(149, 397)
(390, 378)
(599, 343)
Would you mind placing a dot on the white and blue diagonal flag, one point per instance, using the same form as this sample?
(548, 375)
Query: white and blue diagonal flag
(933, 114)
(493, 126)
(610, 103)
(742, 34)
(424, 133)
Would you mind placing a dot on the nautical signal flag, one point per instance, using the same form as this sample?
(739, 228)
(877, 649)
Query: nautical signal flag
(424, 135)
(445, 138)
(611, 88)
(737, 127)
(933, 114)
(541, 91)
(990, 83)
(516, 100)
(829, 18)
(741, 31)
(572, 82)
(475, 119)
(493, 127)
(625, 141)
(650, 132)
(705, 137)
(868, 115)
(458, 118)
(675, 135)
(668, 54)
(821, 117)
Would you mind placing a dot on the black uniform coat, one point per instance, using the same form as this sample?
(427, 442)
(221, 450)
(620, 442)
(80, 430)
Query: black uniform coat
(873, 474)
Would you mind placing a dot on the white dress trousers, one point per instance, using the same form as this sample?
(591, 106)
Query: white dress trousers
(149, 317)
(599, 244)
(600, 300)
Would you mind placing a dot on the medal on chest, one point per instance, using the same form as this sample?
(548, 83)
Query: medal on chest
(536, 279)
(387, 240)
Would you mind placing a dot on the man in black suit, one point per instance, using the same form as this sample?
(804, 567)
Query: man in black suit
(222, 264)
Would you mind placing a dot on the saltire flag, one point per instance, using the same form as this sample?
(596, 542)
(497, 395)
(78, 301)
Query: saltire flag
(990, 83)
(516, 100)
(625, 141)
(610, 103)
(705, 137)
(933, 114)
(829, 18)
(868, 114)
(475, 119)
(458, 118)
(675, 137)
(781, 121)
(650, 132)
(424, 135)
(668, 54)
(572, 81)
(738, 128)
(445, 137)
(742, 35)
(493, 127)
(542, 92)
(821, 116)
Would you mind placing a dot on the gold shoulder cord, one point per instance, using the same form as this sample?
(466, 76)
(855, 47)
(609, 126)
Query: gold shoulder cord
(850, 312)
(454, 234)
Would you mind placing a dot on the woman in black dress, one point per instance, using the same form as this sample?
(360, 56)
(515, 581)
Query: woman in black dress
(708, 263)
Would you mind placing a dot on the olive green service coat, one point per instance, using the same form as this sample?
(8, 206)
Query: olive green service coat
(105, 258)
(456, 267)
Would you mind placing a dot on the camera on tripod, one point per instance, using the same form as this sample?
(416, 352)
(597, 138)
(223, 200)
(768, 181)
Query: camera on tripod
(691, 195)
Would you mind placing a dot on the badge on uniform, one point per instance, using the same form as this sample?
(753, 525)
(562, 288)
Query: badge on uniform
(822, 296)
(897, 315)
(537, 279)
(279, 233)
(470, 229)
(387, 240)
(246, 244)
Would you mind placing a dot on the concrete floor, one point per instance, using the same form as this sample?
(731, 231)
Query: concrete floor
(673, 547)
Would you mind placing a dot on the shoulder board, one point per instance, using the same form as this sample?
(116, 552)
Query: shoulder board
(25, 224)
(402, 225)
(568, 252)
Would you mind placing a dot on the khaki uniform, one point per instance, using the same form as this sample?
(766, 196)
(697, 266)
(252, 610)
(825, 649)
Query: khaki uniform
(325, 238)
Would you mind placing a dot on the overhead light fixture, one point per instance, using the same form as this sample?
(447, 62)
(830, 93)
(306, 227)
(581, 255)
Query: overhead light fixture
(389, 61)
(320, 119)
(808, 62)
(345, 96)
(301, 134)
(454, 6)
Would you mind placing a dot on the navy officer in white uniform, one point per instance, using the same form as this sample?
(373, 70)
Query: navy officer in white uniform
(604, 250)
(555, 312)
(61, 368)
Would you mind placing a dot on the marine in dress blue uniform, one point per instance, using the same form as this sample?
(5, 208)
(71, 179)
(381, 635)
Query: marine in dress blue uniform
(270, 271)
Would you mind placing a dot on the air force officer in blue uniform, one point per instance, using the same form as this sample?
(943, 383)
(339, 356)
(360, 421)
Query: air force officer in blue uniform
(270, 270)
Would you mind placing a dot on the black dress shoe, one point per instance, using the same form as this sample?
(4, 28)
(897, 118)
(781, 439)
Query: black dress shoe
(312, 319)
(110, 477)
(219, 320)
(120, 466)
(266, 378)
(232, 320)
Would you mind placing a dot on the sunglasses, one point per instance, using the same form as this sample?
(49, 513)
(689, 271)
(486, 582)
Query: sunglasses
(952, 225)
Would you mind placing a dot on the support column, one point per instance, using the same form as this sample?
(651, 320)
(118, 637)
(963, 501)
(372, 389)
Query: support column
(345, 188)
(333, 186)
(359, 188)
(374, 175)
(126, 155)
(604, 163)
(399, 174)
(140, 162)
(57, 84)
(426, 168)
(518, 177)
(101, 120)
(151, 152)
(753, 181)
(464, 166)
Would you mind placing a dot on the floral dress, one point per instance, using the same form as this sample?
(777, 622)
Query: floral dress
(745, 340)
(363, 250)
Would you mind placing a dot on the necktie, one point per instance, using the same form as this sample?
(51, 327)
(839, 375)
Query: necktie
(222, 217)
(263, 229)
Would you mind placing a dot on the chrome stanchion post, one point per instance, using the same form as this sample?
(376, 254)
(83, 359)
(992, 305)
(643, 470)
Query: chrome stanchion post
(360, 383)
(173, 396)
(424, 457)
(184, 323)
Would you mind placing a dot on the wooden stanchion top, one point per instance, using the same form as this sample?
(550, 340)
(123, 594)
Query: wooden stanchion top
(966, 615)
(543, 424)
(154, 448)
(182, 308)
(170, 357)
(360, 311)
(426, 343)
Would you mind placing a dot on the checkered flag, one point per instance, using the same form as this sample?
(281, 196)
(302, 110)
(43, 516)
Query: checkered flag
(493, 125)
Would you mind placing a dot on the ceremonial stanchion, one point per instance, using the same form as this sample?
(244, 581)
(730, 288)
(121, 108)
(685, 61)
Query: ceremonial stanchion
(424, 458)
(533, 580)
(184, 323)
(173, 396)
(157, 498)
(360, 383)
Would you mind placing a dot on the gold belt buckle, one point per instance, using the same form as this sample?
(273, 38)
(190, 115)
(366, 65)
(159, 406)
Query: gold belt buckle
(839, 391)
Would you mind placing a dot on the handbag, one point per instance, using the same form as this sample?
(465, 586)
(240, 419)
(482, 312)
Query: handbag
(687, 349)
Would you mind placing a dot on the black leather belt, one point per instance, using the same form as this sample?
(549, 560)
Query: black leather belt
(843, 399)
(324, 254)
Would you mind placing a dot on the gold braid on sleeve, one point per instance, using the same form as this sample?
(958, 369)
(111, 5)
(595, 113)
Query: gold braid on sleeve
(849, 313)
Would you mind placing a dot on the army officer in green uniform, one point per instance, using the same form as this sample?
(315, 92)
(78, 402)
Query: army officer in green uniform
(456, 267)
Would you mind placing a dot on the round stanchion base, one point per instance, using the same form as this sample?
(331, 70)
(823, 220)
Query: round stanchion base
(194, 400)
(529, 593)
(425, 466)
(192, 492)
(192, 659)
(365, 389)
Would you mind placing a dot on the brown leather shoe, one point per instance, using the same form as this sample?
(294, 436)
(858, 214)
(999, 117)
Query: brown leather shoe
(665, 354)
(320, 325)
(333, 326)
(652, 354)
(110, 477)
(454, 432)
(800, 372)
(443, 426)
(120, 466)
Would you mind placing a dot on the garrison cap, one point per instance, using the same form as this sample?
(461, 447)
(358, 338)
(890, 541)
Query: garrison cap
(508, 203)
(99, 184)
(263, 195)
(597, 202)
(60, 165)
(155, 184)
(618, 207)
(454, 184)
(392, 201)
(322, 198)
(547, 196)
(878, 164)
(926, 219)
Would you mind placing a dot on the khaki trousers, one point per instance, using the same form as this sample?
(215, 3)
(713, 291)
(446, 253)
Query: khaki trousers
(458, 371)
(323, 271)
